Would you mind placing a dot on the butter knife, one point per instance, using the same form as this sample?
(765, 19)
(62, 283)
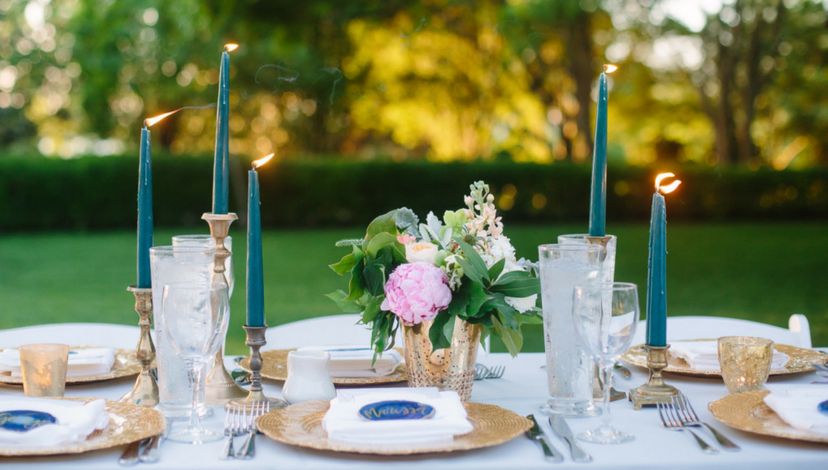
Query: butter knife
(560, 427)
(150, 453)
(536, 434)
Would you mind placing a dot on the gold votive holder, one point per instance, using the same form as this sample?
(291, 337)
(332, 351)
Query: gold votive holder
(255, 340)
(654, 391)
(219, 384)
(745, 362)
(145, 391)
(43, 367)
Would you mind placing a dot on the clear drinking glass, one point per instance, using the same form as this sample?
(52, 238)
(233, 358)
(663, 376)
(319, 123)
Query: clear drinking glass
(608, 265)
(43, 367)
(745, 362)
(171, 265)
(605, 318)
(210, 242)
(195, 317)
(569, 369)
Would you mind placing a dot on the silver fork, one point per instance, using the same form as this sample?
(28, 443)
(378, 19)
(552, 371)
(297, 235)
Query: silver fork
(671, 423)
(248, 449)
(688, 417)
(480, 372)
(496, 372)
(232, 427)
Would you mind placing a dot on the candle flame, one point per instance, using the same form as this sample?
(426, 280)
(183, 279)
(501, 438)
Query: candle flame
(262, 161)
(609, 68)
(149, 122)
(670, 187)
(231, 47)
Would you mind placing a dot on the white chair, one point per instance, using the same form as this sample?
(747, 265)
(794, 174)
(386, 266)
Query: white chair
(696, 327)
(73, 334)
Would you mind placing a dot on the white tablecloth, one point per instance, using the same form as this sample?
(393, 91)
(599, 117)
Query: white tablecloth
(522, 389)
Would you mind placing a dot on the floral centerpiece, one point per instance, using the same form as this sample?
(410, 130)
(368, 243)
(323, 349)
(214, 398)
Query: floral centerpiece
(438, 272)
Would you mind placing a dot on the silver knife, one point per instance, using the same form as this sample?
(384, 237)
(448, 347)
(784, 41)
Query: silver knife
(560, 427)
(150, 453)
(536, 434)
(130, 455)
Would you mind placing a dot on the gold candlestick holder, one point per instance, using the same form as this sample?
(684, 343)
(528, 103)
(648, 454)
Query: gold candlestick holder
(145, 391)
(655, 390)
(255, 340)
(220, 386)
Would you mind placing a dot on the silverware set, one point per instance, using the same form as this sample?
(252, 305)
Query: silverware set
(241, 421)
(145, 450)
(562, 430)
(679, 415)
(482, 372)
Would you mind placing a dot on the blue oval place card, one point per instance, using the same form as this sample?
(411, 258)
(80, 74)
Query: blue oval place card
(396, 409)
(24, 420)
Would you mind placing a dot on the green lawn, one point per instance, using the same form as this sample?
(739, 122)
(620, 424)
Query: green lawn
(761, 272)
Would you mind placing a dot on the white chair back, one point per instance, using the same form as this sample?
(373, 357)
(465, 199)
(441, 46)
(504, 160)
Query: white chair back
(697, 327)
(73, 334)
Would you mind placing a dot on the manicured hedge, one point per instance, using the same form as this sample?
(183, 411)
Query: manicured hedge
(100, 193)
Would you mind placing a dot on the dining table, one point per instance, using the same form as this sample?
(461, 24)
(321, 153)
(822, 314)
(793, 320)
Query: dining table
(522, 389)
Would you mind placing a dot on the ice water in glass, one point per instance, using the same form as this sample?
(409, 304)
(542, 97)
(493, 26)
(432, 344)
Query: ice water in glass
(569, 367)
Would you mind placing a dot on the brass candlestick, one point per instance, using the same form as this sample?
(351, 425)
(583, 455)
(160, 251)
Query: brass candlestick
(655, 390)
(145, 391)
(256, 339)
(220, 386)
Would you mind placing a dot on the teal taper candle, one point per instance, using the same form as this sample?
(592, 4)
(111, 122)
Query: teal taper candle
(598, 195)
(657, 266)
(221, 161)
(144, 211)
(255, 268)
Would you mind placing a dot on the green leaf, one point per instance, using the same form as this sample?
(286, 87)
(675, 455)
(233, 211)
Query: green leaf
(346, 306)
(511, 276)
(374, 275)
(477, 297)
(356, 287)
(381, 240)
(441, 331)
(473, 257)
(518, 288)
(469, 271)
(372, 310)
(459, 303)
(497, 268)
(385, 223)
(508, 339)
(344, 265)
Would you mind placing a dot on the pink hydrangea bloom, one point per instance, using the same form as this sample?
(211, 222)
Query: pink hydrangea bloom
(416, 292)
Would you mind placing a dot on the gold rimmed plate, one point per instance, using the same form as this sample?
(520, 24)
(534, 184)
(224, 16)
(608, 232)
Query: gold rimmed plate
(801, 360)
(126, 364)
(301, 425)
(275, 368)
(127, 423)
(748, 412)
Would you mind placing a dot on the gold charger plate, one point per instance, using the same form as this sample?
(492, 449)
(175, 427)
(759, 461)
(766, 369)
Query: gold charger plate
(748, 412)
(127, 423)
(275, 368)
(801, 360)
(126, 364)
(301, 425)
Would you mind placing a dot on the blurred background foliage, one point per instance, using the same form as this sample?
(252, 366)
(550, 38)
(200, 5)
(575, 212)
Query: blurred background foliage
(707, 82)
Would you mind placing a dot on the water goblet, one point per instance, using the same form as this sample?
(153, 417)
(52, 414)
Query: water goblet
(605, 318)
(195, 317)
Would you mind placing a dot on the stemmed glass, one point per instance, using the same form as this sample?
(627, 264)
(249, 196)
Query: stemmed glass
(605, 317)
(195, 317)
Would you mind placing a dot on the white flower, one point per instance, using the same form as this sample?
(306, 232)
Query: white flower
(421, 251)
(501, 248)
(522, 304)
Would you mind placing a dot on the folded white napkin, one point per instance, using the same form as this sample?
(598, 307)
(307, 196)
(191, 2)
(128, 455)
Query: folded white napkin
(797, 406)
(75, 421)
(356, 361)
(343, 422)
(704, 355)
(82, 362)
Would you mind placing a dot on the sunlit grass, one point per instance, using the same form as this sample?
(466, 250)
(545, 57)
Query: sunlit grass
(761, 272)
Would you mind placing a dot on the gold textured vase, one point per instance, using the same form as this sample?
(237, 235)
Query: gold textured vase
(447, 369)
